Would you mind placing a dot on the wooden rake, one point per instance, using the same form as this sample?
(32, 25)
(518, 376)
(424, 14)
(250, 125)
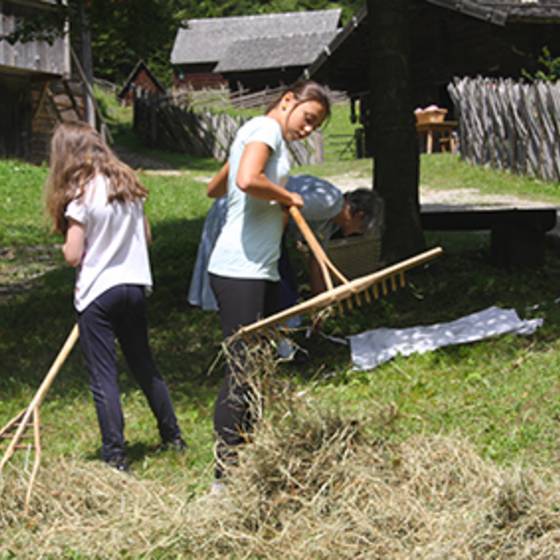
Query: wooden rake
(348, 292)
(16, 429)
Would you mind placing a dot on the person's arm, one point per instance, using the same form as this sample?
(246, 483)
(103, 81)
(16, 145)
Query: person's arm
(252, 179)
(217, 187)
(73, 248)
(316, 281)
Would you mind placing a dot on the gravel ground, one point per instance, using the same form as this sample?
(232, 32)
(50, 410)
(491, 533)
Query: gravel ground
(453, 199)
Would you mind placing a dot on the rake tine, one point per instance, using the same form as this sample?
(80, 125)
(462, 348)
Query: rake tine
(384, 286)
(402, 279)
(367, 297)
(37, 461)
(358, 299)
(23, 435)
(13, 423)
(394, 283)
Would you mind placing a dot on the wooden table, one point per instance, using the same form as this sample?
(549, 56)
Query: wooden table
(443, 130)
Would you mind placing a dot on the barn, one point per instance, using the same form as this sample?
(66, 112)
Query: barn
(28, 111)
(250, 52)
(492, 38)
(141, 79)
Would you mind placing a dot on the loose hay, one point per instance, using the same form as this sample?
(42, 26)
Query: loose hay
(313, 483)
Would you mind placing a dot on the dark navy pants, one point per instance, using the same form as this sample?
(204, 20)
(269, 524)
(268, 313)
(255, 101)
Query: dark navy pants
(240, 302)
(120, 313)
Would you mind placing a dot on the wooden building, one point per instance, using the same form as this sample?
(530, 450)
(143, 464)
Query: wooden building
(141, 79)
(250, 52)
(492, 38)
(26, 117)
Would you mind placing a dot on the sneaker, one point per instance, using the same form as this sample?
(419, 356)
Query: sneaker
(218, 488)
(119, 463)
(177, 444)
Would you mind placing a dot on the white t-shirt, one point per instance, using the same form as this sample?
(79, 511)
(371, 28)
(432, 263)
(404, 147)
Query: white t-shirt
(249, 243)
(115, 249)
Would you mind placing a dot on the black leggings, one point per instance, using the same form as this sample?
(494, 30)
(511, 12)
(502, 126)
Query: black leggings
(241, 302)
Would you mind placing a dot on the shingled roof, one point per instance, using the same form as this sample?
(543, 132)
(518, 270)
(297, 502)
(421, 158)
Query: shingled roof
(248, 54)
(506, 11)
(499, 12)
(255, 39)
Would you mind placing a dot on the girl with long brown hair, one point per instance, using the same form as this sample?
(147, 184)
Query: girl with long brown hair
(243, 266)
(97, 203)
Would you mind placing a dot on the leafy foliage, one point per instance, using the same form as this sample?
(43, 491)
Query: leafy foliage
(32, 24)
(124, 32)
(550, 71)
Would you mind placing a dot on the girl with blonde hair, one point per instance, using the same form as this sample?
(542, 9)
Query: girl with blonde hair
(97, 203)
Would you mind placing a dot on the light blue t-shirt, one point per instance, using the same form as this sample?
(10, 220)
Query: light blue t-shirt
(249, 243)
(322, 202)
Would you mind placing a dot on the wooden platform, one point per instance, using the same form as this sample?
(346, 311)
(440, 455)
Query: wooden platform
(517, 234)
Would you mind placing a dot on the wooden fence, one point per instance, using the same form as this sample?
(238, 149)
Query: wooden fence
(161, 123)
(509, 125)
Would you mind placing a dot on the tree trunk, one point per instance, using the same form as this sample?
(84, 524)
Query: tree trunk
(87, 61)
(395, 146)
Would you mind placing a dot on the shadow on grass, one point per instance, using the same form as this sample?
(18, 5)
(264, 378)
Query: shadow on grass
(126, 139)
(185, 341)
(35, 323)
(461, 282)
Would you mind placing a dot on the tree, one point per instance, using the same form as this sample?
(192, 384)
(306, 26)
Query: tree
(550, 71)
(396, 168)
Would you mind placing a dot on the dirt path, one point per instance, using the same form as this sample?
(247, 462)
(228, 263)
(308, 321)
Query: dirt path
(452, 199)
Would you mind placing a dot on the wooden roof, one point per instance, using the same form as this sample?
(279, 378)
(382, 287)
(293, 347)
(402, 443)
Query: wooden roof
(254, 38)
(140, 65)
(248, 54)
(441, 31)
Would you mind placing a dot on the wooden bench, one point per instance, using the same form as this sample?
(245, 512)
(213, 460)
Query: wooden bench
(517, 234)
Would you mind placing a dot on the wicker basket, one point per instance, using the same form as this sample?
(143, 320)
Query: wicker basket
(356, 256)
(430, 116)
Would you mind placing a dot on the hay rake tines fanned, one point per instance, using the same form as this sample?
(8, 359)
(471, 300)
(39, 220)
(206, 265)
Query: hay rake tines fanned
(371, 287)
(16, 430)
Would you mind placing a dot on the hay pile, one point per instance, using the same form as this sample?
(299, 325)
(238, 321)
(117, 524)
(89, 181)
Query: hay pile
(313, 484)
(85, 508)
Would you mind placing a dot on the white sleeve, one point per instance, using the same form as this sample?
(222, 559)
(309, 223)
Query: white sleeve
(77, 211)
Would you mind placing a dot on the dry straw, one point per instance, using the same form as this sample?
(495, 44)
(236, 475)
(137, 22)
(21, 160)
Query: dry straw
(313, 483)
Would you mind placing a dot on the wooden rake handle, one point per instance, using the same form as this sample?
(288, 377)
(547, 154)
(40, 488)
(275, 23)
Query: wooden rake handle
(25, 416)
(318, 252)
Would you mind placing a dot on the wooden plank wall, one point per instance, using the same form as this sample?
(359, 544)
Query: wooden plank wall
(34, 56)
(44, 119)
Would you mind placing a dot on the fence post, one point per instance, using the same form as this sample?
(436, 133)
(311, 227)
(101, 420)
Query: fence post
(153, 122)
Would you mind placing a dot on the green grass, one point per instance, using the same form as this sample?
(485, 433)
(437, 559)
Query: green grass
(504, 394)
(446, 171)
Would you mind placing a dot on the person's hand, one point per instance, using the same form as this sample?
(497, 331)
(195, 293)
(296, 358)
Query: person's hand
(296, 201)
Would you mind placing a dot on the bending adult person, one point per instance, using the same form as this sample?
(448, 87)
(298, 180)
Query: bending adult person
(328, 211)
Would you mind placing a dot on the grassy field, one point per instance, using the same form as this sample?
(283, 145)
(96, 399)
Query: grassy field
(489, 390)
(502, 395)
